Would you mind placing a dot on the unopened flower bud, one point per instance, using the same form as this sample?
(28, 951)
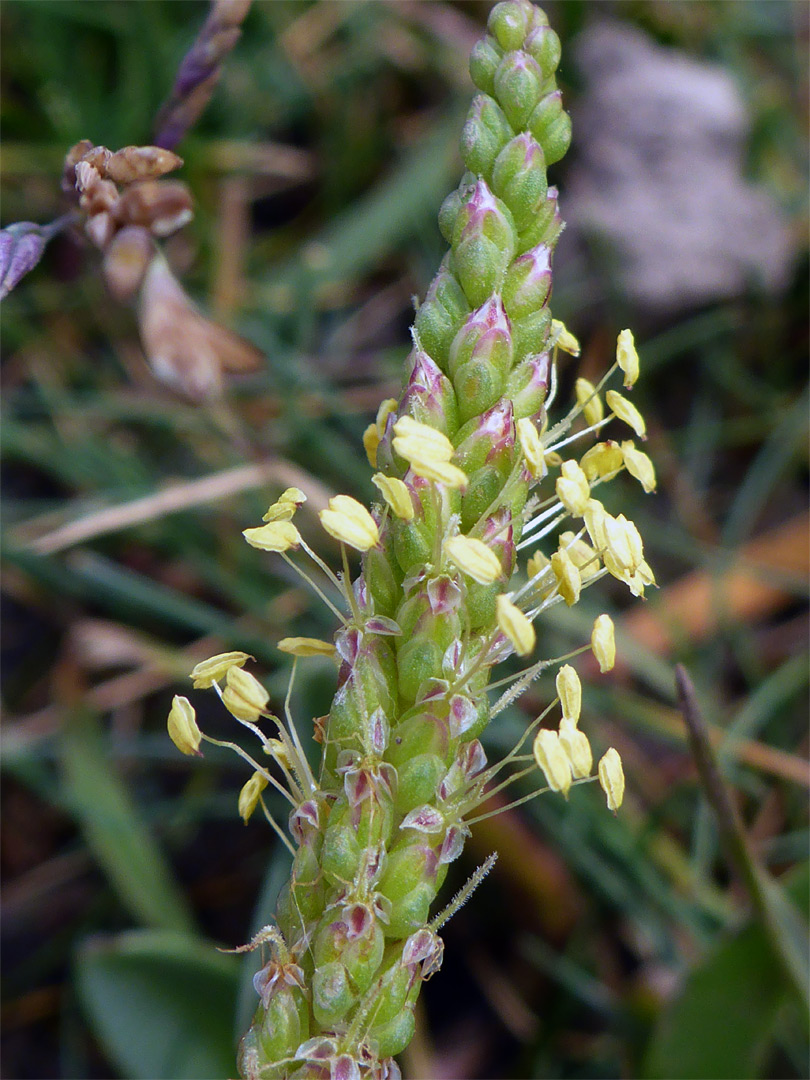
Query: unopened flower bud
(573, 489)
(306, 646)
(569, 690)
(533, 450)
(515, 625)
(551, 126)
(553, 760)
(587, 398)
(429, 396)
(577, 748)
(483, 244)
(473, 558)
(611, 778)
(626, 410)
(528, 282)
(396, 495)
(508, 23)
(544, 46)
(182, 726)
(484, 134)
(569, 579)
(244, 696)
(275, 536)
(249, 795)
(603, 643)
(209, 671)
(440, 315)
(527, 385)
(639, 465)
(518, 85)
(140, 163)
(484, 60)
(627, 357)
(519, 178)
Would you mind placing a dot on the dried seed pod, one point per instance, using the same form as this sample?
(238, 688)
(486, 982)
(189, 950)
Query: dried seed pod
(133, 163)
(126, 261)
(162, 206)
(72, 158)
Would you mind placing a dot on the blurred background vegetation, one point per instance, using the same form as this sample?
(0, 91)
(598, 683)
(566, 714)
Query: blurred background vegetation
(599, 947)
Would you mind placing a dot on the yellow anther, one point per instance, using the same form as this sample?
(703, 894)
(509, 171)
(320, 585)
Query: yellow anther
(587, 398)
(371, 441)
(249, 795)
(385, 409)
(573, 489)
(441, 472)
(276, 749)
(396, 495)
(182, 726)
(285, 506)
(594, 517)
(348, 521)
(209, 671)
(416, 441)
(474, 559)
(603, 642)
(569, 579)
(305, 646)
(602, 461)
(569, 691)
(276, 536)
(639, 465)
(533, 451)
(553, 760)
(515, 625)
(611, 777)
(582, 555)
(626, 410)
(244, 696)
(577, 748)
(537, 564)
(627, 357)
(562, 337)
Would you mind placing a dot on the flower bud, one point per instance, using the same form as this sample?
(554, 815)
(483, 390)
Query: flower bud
(515, 625)
(473, 558)
(518, 86)
(551, 126)
(306, 646)
(508, 23)
(429, 395)
(484, 59)
(545, 226)
(603, 643)
(244, 696)
(569, 690)
(533, 450)
(348, 521)
(626, 410)
(602, 461)
(543, 45)
(485, 133)
(569, 579)
(276, 536)
(182, 726)
(528, 283)
(488, 439)
(483, 244)
(627, 357)
(553, 760)
(480, 358)
(572, 488)
(133, 163)
(249, 795)
(639, 465)
(440, 315)
(527, 385)
(519, 178)
(589, 401)
(396, 495)
(577, 749)
(611, 778)
(207, 672)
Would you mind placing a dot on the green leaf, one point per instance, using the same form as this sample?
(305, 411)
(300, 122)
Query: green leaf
(161, 1004)
(122, 844)
(719, 1026)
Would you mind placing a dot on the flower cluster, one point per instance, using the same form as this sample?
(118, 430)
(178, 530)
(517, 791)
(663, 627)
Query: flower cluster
(470, 472)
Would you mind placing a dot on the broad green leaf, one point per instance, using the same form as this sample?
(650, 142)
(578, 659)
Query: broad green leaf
(719, 1026)
(161, 1004)
(120, 841)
